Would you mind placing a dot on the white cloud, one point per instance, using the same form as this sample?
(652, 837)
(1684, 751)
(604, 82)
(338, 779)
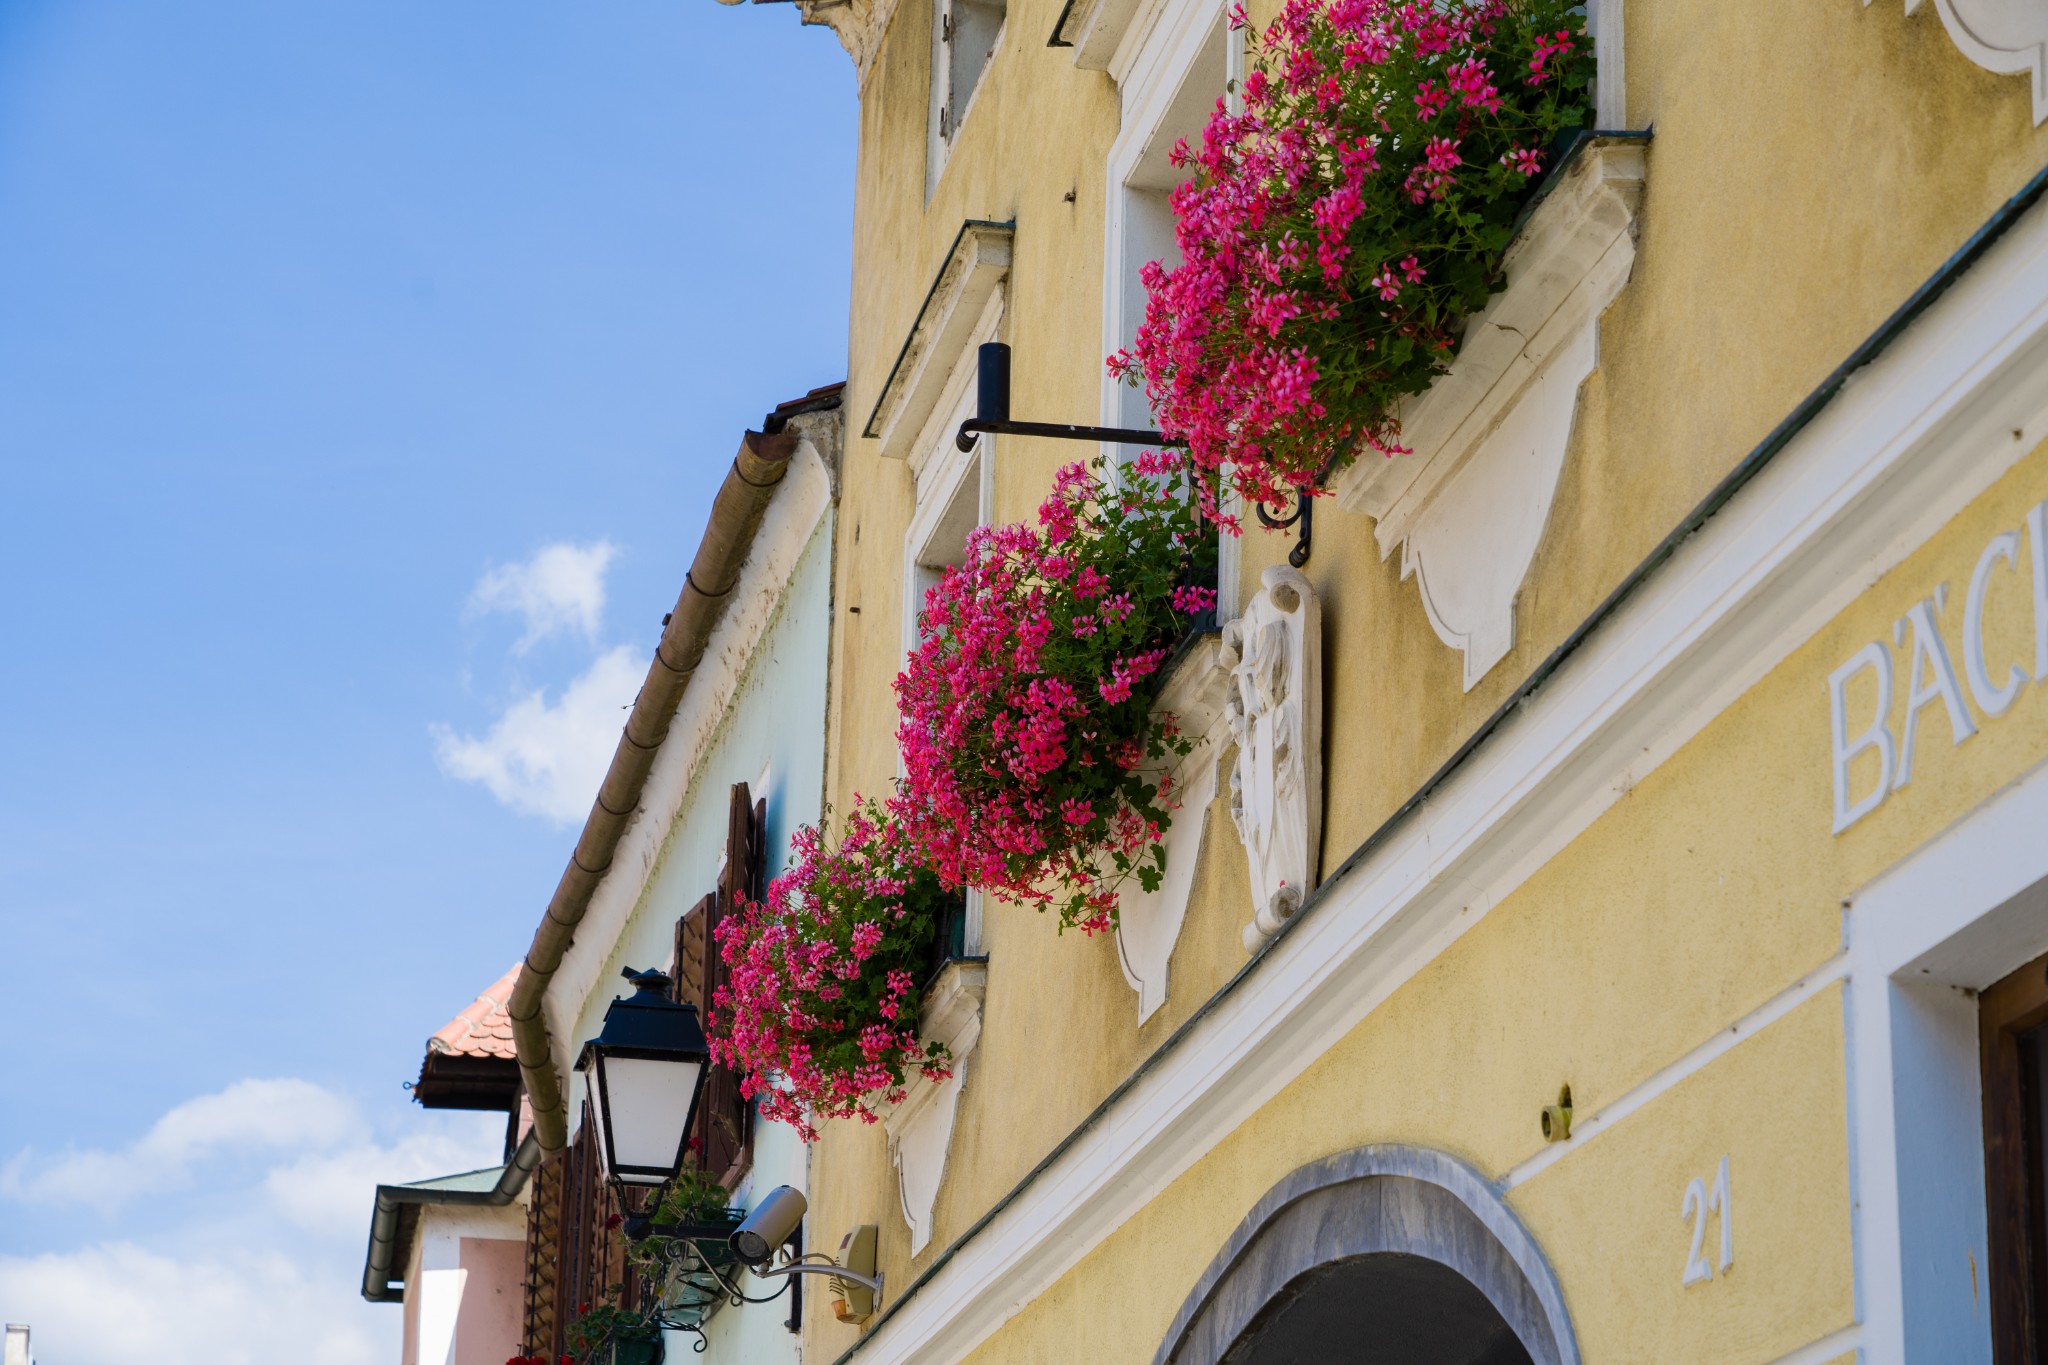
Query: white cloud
(250, 1116)
(328, 1192)
(269, 1270)
(560, 589)
(119, 1303)
(544, 758)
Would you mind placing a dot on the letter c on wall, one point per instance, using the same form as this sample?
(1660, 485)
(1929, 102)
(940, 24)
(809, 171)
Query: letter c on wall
(1992, 701)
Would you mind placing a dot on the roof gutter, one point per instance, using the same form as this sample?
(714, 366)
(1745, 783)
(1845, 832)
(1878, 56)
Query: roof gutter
(377, 1266)
(736, 512)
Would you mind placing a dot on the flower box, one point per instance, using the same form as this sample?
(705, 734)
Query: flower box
(1468, 504)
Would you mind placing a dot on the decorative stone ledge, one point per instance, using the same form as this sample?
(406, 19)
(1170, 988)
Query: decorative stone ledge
(920, 1128)
(975, 269)
(1467, 508)
(1095, 29)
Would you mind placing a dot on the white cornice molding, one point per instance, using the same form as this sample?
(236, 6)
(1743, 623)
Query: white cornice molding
(1097, 30)
(1468, 505)
(2006, 36)
(1920, 432)
(792, 518)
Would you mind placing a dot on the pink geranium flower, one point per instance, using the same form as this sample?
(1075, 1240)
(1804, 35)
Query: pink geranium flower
(1027, 706)
(1371, 131)
(816, 1007)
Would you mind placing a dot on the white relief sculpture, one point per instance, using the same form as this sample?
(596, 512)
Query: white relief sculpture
(2006, 36)
(1149, 922)
(920, 1128)
(1275, 713)
(1468, 505)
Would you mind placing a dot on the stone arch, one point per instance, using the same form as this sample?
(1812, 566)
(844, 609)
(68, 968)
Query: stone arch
(1407, 1229)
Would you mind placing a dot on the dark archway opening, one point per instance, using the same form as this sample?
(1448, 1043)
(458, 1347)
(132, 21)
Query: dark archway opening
(1386, 1308)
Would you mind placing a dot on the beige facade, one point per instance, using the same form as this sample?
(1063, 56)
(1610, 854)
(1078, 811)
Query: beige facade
(1623, 875)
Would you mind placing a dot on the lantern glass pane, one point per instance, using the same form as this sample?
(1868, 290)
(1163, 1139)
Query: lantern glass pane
(604, 1147)
(649, 1105)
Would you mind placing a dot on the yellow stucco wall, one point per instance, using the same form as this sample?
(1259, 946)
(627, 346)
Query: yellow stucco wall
(1813, 163)
(1608, 1215)
(1599, 973)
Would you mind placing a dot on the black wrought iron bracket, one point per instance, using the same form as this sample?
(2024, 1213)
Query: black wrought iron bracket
(678, 1244)
(992, 411)
(1059, 431)
(1303, 520)
(992, 418)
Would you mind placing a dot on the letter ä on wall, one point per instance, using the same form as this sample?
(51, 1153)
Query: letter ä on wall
(1931, 676)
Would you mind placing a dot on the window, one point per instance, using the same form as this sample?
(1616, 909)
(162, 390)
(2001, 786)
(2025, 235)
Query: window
(1174, 73)
(1143, 179)
(965, 34)
(938, 538)
(955, 494)
(2013, 1036)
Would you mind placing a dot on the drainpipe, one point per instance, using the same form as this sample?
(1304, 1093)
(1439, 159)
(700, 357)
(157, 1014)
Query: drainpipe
(756, 470)
(377, 1268)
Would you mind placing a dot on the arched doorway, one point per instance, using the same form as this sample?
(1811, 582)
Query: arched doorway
(1386, 1255)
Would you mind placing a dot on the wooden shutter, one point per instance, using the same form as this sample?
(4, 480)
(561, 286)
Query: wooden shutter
(724, 1130)
(694, 950)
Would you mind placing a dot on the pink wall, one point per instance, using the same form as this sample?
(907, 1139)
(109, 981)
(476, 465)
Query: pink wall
(411, 1351)
(487, 1326)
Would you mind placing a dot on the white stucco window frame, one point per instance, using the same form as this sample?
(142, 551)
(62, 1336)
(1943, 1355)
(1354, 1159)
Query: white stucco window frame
(948, 481)
(1467, 506)
(920, 1128)
(1923, 939)
(945, 476)
(1158, 61)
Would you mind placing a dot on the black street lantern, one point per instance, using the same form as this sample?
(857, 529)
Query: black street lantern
(644, 1071)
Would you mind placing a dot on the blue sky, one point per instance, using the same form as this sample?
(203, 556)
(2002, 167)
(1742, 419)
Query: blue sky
(365, 370)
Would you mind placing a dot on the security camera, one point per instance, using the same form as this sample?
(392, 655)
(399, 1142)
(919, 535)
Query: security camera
(772, 1223)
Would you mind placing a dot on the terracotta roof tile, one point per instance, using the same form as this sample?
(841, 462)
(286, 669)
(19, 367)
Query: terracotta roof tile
(484, 1029)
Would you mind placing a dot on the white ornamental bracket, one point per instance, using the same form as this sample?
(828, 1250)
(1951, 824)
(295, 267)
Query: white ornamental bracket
(1149, 922)
(920, 1128)
(1274, 654)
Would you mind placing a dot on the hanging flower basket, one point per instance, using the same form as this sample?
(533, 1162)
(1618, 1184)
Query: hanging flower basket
(1335, 235)
(817, 1009)
(1034, 764)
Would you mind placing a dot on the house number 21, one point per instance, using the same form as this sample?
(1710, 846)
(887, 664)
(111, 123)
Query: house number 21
(1698, 1204)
